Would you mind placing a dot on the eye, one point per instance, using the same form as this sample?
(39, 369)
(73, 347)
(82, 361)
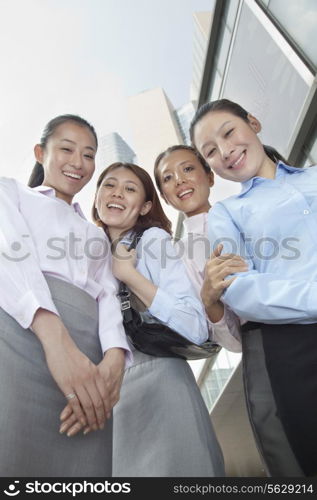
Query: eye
(68, 150)
(189, 168)
(210, 153)
(229, 132)
(90, 157)
(108, 185)
(130, 189)
(166, 178)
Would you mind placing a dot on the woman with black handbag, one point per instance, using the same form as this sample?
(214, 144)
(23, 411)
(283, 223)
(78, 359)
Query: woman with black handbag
(161, 424)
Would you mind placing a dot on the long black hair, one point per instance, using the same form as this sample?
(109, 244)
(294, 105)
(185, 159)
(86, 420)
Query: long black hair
(235, 109)
(37, 175)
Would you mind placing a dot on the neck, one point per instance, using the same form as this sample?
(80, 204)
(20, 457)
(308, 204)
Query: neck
(115, 233)
(201, 210)
(59, 195)
(268, 169)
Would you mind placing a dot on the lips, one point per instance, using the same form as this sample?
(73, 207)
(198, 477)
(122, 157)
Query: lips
(72, 175)
(185, 194)
(238, 162)
(116, 206)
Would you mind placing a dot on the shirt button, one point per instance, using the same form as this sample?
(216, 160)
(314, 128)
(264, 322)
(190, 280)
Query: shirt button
(306, 212)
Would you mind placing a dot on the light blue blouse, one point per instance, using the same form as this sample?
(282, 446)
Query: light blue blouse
(273, 225)
(175, 302)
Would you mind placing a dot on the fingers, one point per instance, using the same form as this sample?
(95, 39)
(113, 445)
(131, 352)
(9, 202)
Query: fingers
(76, 407)
(67, 424)
(91, 404)
(66, 413)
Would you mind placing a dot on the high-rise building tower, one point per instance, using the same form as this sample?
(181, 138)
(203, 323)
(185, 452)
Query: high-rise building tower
(112, 148)
(202, 25)
(154, 128)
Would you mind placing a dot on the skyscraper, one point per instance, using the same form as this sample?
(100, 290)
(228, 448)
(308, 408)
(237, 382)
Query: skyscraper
(112, 148)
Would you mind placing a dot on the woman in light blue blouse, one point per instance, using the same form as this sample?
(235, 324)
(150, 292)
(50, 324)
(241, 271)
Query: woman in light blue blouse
(161, 424)
(272, 223)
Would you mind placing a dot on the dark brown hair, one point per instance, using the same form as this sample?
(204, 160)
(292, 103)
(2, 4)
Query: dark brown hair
(155, 217)
(171, 149)
(37, 175)
(235, 109)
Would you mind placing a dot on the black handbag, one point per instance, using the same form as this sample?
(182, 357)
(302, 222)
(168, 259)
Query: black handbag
(150, 336)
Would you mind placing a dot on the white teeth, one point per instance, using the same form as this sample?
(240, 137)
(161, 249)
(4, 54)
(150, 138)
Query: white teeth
(74, 176)
(115, 205)
(238, 160)
(185, 192)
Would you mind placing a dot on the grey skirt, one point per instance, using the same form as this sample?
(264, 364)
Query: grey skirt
(161, 425)
(31, 402)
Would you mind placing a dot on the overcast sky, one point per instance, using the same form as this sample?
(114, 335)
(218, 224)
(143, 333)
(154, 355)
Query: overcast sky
(86, 57)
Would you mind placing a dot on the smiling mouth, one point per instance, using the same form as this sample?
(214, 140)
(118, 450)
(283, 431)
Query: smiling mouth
(238, 162)
(72, 175)
(116, 206)
(184, 193)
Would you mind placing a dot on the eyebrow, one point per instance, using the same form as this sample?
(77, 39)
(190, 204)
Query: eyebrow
(219, 129)
(167, 169)
(115, 179)
(73, 142)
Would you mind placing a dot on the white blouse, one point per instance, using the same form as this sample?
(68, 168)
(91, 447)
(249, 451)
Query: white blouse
(195, 250)
(43, 235)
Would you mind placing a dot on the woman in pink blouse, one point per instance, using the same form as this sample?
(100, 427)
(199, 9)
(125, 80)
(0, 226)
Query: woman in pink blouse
(56, 282)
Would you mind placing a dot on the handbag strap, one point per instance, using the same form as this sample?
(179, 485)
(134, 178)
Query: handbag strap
(124, 292)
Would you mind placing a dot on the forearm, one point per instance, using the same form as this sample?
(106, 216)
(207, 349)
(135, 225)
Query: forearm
(267, 298)
(144, 289)
(215, 311)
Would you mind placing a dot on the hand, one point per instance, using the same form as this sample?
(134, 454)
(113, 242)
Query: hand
(112, 370)
(123, 261)
(217, 268)
(72, 370)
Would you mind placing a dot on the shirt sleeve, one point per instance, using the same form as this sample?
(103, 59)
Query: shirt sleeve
(23, 287)
(262, 297)
(175, 302)
(226, 332)
(111, 330)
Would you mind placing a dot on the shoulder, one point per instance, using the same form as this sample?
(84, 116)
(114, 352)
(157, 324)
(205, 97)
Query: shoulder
(155, 233)
(12, 187)
(222, 208)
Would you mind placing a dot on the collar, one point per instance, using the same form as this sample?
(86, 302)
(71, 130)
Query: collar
(280, 169)
(196, 224)
(50, 192)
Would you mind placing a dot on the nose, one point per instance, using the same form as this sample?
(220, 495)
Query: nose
(178, 178)
(117, 192)
(225, 150)
(76, 160)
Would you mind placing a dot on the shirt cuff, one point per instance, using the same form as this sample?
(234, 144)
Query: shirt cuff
(28, 305)
(162, 306)
(120, 341)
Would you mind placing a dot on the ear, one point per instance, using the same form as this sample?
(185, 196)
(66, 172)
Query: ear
(146, 208)
(211, 179)
(39, 153)
(254, 123)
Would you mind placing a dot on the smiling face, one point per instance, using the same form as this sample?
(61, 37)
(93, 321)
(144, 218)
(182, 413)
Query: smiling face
(120, 201)
(68, 159)
(184, 182)
(231, 147)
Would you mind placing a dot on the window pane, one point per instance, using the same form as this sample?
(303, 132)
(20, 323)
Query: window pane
(299, 18)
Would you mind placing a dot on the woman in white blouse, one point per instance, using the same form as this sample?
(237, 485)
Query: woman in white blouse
(161, 424)
(56, 276)
(184, 179)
